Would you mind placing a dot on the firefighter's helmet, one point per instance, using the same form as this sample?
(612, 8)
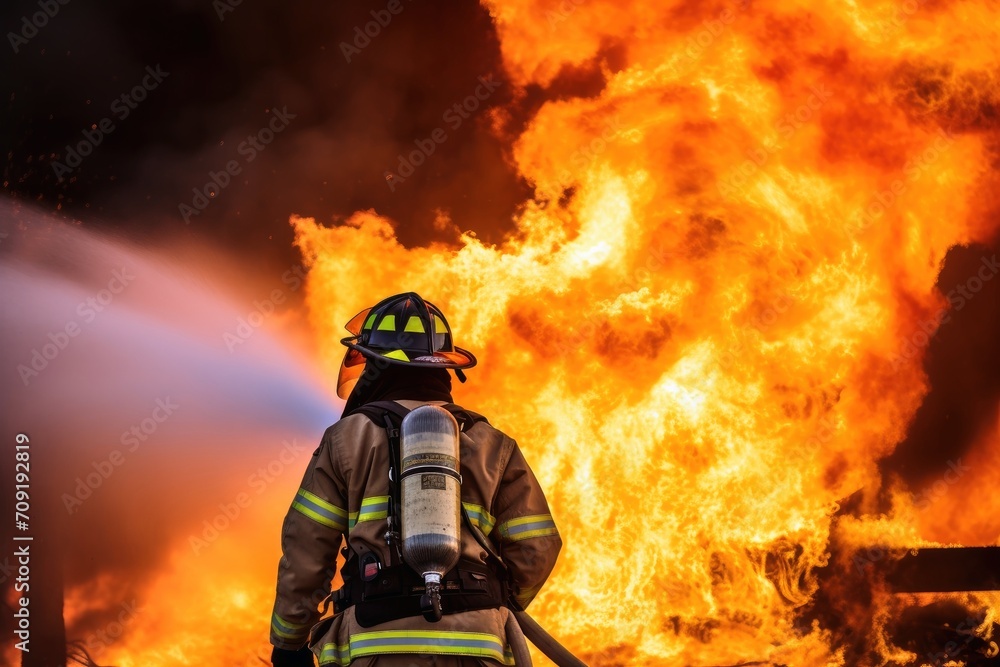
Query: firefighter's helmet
(402, 329)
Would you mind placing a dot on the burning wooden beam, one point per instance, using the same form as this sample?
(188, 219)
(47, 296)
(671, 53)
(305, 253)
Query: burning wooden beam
(946, 570)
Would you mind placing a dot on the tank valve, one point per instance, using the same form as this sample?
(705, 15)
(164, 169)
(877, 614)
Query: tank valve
(430, 601)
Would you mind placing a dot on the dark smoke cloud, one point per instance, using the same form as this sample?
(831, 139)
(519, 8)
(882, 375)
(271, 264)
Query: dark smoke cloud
(227, 77)
(963, 367)
(962, 357)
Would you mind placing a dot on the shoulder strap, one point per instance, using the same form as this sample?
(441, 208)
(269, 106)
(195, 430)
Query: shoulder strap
(389, 415)
(374, 411)
(466, 418)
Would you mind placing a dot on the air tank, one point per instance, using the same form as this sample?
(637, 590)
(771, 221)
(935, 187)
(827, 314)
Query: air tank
(431, 499)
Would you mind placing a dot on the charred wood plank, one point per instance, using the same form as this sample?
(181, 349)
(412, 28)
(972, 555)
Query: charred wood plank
(945, 570)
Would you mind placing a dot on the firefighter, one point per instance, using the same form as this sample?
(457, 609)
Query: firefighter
(398, 358)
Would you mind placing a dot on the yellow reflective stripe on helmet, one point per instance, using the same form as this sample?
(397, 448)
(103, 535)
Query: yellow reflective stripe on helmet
(439, 325)
(396, 354)
(526, 527)
(370, 321)
(414, 325)
(388, 323)
(480, 517)
(320, 510)
(433, 642)
(292, 632)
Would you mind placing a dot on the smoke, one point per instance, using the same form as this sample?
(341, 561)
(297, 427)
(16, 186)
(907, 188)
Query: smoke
(962, 362)
(959, 343)
(355, 103)
(152, 394)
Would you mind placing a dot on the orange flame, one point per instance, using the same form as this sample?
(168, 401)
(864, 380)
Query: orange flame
(697, 330)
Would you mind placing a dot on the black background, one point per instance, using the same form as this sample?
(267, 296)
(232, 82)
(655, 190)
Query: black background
(353, 119)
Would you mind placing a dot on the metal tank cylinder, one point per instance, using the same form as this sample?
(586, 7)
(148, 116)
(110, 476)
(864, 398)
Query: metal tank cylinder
(431, 499)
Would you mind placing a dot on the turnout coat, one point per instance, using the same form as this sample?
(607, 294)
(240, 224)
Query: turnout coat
(344, 495)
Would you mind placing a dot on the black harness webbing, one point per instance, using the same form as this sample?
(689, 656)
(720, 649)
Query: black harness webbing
(395, 591)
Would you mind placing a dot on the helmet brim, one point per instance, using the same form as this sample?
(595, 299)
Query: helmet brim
(458, 358)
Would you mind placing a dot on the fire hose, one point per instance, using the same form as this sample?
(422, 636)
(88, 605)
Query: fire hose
(520, 625)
